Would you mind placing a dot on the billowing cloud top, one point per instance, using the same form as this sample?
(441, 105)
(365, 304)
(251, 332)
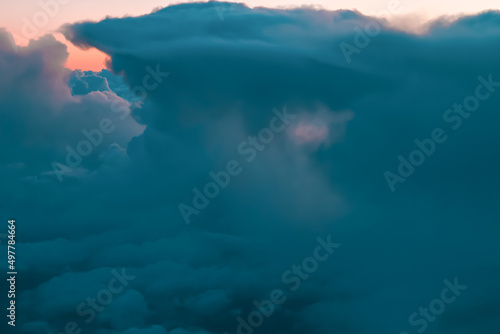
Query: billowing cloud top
(328, 125)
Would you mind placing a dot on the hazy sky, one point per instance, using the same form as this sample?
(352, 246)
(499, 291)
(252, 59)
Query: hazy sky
(15, 15)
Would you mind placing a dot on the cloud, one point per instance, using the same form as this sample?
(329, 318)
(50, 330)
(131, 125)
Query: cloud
(321, 175)
(41, 117)
(83, 83)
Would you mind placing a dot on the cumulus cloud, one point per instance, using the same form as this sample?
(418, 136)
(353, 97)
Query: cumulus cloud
(322, 174)
(40, 115)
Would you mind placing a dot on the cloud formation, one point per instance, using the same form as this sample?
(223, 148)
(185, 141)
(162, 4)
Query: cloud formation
(322, 175)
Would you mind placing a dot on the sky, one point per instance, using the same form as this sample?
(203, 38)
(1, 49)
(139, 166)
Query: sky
(251, 170)
(15, 15)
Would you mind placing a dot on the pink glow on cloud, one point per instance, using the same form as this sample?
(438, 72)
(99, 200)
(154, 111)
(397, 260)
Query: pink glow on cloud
(19, 17)
(307, 133)
(321, 128)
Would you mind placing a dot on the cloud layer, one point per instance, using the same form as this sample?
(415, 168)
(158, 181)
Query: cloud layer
(321, 175)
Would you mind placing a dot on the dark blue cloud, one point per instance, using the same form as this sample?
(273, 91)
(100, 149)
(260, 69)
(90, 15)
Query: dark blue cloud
(82, 83)
(323, 174)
